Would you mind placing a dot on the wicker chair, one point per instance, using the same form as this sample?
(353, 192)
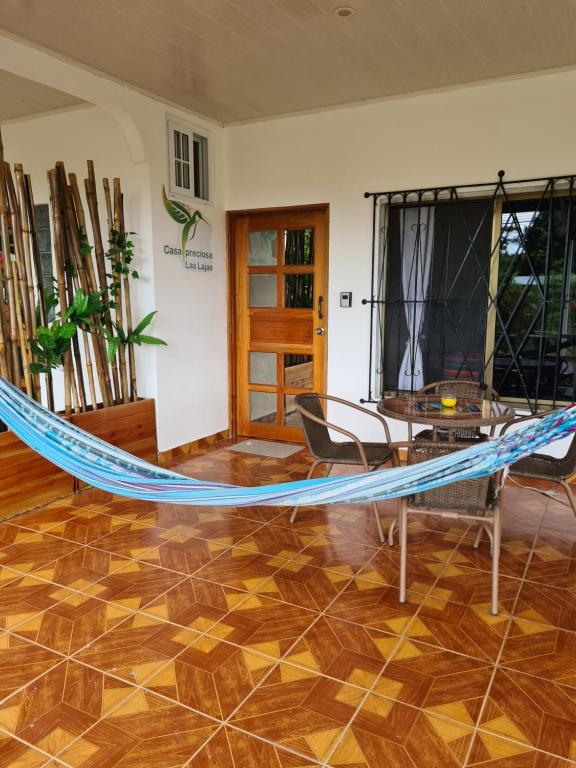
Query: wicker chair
(460, 388)
(472, 500)
(325, 451)
(543, 467)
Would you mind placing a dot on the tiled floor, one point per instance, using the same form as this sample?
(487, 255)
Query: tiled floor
(138, 635)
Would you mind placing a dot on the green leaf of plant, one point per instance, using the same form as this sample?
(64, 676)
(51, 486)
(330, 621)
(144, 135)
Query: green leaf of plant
(185, 233)
(176, 210)
(143, 324)
(112, 349)
(67, 331)
(151, 340)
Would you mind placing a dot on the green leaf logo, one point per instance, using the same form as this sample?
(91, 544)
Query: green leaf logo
(184, 216)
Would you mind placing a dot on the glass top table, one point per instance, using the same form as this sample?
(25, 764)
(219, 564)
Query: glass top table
(468, 413)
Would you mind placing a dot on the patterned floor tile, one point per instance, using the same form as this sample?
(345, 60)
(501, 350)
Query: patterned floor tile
(277, 540)
(541, 650)
(356, 522)
(386, 733)
(436, 680)
(81, 568)
(311, 519)
(264, 625)
(532, 711)
(25, 597)
(513, 560)
(335, 553)
(130, 540)
(349, 652)
(211, 676)
(131, 510)
(553, 561)
(306, 586)
(470, 587)
(134, 584)
(374, 606)
(195, 603)
(59, 706)
(217, 527)
(87, 526)
(35, 552)
(21, 662)
(137, 648)
(384, 568)
(258, 514)
(52, 517)
(16, 754)
(436, 546)
(229, 747)
(72, 623)
(10, 533)
(300, 710)
(538, 602)
(145, 731)
(489, 751)
(182, 552)
(240, 568)
(467, 629)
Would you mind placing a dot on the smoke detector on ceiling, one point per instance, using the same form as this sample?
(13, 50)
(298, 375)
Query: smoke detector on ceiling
(344, 11)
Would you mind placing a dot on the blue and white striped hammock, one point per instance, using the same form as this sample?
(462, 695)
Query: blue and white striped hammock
(103, 466)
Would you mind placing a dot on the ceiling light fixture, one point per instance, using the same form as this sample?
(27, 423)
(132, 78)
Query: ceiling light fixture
(344, 11)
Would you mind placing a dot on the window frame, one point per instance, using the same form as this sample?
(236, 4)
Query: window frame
(192, 132)
(381, 255)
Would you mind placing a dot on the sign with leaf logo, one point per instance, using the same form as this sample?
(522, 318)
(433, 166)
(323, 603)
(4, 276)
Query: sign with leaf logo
(195, 227)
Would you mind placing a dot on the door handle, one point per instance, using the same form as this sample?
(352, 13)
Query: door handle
(320, 305)
(320, 331)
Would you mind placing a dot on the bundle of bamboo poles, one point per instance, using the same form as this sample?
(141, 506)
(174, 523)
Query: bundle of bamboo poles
(90, 378)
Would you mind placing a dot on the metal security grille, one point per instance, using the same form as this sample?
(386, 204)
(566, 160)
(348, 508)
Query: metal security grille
(475, 282)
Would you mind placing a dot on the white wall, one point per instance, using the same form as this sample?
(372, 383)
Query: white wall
(525, 127)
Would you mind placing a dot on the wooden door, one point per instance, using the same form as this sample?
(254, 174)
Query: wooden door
(281, 318)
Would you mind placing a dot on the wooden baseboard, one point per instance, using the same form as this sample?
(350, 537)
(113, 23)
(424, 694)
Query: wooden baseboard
(195, 445)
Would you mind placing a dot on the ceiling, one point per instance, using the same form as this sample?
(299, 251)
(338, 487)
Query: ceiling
(234, 60)
(22, 97)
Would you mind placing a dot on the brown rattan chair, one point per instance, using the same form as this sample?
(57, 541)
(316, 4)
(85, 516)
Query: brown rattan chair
(540, 466)
(474, 500)
(326, 451)
(460, 388)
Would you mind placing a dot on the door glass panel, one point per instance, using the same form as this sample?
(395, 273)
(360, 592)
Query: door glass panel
(291, 415)
(262, 250)
(263, 407)
(299, 246)
(263, 368)
(298, 371)
(262, 291)
(299, 291)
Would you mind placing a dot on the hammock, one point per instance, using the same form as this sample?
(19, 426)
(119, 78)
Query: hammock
(106, 467)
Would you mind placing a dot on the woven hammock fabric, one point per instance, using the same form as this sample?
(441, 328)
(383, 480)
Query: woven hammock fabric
(103, 466)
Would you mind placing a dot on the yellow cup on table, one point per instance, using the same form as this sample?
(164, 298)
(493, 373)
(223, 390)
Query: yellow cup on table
(449, 400)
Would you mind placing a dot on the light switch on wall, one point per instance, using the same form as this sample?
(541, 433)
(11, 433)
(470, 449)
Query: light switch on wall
(346, 299)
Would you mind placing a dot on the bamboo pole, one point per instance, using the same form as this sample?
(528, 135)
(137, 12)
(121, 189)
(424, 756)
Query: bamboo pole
(60, 281)
(5, 366)
(92, 199)
(23, 310)
(29, 197)
(98, 343)
(113, 225)
(119, 206)
(26, 238)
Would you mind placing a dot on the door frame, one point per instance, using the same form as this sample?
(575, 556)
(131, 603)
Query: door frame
(231, 219)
